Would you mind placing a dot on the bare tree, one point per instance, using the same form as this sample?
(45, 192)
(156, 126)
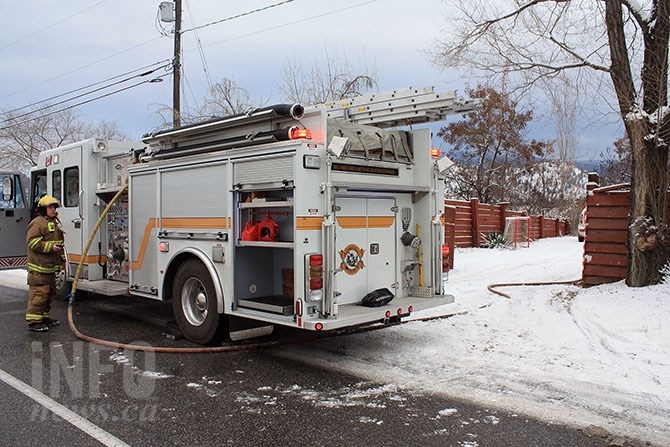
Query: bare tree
(226, 98)
(329, 78)
(614, 38)
(491, 147)
(22, 139)
(223, 98)
(563, 95)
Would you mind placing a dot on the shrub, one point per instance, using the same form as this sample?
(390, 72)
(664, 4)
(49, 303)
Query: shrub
(496, 240)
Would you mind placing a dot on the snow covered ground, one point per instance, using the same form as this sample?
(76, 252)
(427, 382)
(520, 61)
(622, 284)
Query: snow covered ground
(598, 356)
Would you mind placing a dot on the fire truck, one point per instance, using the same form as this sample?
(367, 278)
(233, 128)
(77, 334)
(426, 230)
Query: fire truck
(317, 218)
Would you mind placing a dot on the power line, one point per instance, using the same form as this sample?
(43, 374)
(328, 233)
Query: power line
(91, 85)
(48, 106)
(50, 26)
(80, 68)
(157, 79)
(292, 23)
(239, 15)
(136, 46)
(200, 49)
(153, 40)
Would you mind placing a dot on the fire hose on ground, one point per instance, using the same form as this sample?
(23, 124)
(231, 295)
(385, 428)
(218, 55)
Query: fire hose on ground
(493, 287)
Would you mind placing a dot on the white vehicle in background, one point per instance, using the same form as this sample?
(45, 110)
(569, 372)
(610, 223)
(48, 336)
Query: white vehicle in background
(581, 227)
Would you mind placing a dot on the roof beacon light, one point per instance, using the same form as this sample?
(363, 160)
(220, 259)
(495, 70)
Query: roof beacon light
(299, 133)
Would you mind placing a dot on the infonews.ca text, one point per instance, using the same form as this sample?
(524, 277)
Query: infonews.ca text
(83, 374)
(79, 370)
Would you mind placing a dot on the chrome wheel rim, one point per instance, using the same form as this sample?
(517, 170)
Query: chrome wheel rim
(194, 301)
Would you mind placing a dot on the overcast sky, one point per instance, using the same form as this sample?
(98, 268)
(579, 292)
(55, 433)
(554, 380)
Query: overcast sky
(49, 48)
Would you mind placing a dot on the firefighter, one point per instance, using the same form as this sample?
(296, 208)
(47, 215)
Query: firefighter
(46, 256)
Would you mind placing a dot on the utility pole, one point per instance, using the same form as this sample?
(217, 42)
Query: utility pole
(176, 68)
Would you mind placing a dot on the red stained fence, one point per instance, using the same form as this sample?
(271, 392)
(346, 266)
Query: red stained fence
(468, 222)
(605, 251)
(605, 246)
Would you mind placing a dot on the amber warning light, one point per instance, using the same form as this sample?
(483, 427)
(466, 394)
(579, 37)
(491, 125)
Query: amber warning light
(297, 133)
(435, 152)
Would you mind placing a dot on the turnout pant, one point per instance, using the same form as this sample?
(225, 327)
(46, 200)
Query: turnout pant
(42, 289)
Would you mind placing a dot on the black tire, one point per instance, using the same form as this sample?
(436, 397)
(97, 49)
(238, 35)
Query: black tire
(194, 305)
(580, 238)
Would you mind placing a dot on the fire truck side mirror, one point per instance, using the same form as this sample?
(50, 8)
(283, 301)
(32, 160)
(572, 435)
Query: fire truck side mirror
(7, 184)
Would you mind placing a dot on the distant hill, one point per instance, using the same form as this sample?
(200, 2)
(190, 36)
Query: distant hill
(588, 165)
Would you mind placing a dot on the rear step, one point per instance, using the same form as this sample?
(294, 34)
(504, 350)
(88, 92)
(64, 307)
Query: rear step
(278, 304)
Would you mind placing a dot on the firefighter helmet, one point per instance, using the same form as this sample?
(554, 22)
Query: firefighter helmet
(48, 200)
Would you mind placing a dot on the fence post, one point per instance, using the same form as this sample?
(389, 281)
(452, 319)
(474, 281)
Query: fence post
(474, 211)
(541, 224)
(592, 181)
(450, 233)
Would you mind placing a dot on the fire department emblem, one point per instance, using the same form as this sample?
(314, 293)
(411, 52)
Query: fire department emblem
(352, 259)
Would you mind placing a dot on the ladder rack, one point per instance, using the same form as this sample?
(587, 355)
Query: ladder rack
(401, 107)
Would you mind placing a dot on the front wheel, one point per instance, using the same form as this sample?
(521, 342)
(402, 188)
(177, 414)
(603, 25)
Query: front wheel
(194, 304)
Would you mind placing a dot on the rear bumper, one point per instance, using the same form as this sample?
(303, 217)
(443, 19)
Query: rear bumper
(355, 314)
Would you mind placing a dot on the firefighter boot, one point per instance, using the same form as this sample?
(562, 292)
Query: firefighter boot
(38, 327)
(50, 321)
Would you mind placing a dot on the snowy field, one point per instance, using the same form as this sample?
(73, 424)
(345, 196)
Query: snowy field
(583, 357)
(598, 356)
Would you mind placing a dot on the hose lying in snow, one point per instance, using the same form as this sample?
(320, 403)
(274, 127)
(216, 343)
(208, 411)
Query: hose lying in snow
(493, 287)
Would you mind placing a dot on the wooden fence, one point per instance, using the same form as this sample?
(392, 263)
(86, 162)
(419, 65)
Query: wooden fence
(606, 242)
(605, 251)
(468, 222)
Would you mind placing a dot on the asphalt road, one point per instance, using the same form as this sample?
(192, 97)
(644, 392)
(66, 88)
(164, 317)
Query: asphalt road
(248, 398)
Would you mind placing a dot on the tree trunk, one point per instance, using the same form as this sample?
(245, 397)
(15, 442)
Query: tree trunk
(647, 234)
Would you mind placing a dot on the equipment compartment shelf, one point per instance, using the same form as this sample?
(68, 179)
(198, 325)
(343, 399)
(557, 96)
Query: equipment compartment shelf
(265, 244)
(268, 204)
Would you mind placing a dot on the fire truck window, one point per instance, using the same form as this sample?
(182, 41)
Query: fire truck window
(56, 185)
(71, 186)
(39, 186)
(19, 199)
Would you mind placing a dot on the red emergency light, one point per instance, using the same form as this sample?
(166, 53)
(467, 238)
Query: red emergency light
(299, 133)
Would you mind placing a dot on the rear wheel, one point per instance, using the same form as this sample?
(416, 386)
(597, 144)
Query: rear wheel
(194, 304)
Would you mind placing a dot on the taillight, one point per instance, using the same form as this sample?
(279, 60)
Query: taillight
(314, 276)
(445, 258)
(299, 133)
(435, 152)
